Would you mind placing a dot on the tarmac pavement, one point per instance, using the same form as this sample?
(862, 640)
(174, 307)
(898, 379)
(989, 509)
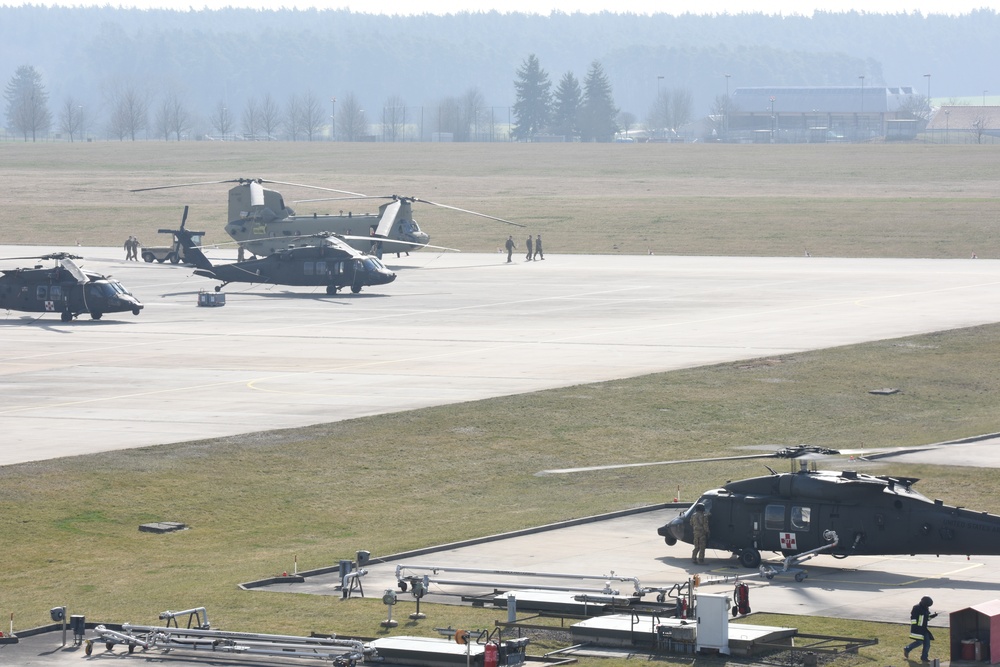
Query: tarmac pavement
(453, 327)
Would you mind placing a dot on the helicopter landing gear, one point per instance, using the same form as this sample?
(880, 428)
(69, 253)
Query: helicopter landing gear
(96, 316)
(355, 289)
(136, 311)
(218, 288)
(331, 289)
(749, 558)
(66, 316)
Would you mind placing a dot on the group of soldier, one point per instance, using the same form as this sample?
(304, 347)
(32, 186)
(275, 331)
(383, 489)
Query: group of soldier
(534, 248)
(132, 248)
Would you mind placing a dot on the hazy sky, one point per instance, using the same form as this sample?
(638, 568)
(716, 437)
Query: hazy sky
(785, 7)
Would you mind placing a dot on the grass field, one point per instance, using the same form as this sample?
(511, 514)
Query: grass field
(910, 200)
(68, 527)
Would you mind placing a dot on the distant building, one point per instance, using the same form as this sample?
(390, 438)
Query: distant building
(965, 124)
(799, 114)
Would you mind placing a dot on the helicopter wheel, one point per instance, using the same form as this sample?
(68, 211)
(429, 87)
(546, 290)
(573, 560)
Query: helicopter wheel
(330, 289)
(96, 316)
(66, 316)
(136, 311)
(218, 288)
(355, 289)
(750, 558)
(89, 648)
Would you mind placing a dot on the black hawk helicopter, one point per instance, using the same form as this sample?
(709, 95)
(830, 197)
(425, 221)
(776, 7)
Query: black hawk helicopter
(261, 222)
(842, 513)
(330, 263)
(63, 288)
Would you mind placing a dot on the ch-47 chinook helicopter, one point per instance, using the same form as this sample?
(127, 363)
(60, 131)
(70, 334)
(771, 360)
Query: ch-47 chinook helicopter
(262, 223)
(63, 288)
(329, 263)
(844, 513)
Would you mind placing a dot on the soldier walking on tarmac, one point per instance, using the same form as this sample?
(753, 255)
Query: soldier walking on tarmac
(510, 247)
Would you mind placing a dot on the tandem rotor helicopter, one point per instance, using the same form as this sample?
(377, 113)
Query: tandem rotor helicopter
(262, 224)
(839, 513)
(329, 263)
(63, 288)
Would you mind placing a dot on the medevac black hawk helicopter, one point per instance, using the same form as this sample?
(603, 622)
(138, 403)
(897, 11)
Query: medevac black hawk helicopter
(64, 288)
(798, 512)
(261, 222)
(331, 263)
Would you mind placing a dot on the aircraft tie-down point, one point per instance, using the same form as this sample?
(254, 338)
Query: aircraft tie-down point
(330, 263)
(64, 288)
(840, 513)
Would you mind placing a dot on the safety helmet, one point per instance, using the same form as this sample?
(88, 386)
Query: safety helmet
(926, 601)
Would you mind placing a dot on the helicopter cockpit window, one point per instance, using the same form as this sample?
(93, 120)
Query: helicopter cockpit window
(774, 517)
(372, 264)
(800, 518)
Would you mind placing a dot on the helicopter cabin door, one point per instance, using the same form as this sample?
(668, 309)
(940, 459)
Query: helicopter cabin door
(788, 527)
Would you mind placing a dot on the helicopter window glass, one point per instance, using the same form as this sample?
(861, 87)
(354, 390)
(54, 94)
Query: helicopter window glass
(800, 518)
(774, 517)
(320, 268)
(42, 292)
(55, 292)
(308, 268)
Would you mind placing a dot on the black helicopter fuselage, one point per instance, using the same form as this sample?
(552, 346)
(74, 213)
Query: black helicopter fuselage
(57, 290)
(331, 264)
(871, 515)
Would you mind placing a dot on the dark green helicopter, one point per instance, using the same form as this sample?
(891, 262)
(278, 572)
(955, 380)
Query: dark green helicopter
(325, 262)
(841, 513)
(63, 288)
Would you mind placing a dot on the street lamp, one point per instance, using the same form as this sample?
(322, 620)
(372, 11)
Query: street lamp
(862, 77)
(772, 119)
(928, 77)
(659, 112)
(725, 118)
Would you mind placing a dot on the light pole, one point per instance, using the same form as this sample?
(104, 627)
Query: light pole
(772, 119)
(862, 77)
(333, 119)
(660, 115)
(928, 77)
(725, 117)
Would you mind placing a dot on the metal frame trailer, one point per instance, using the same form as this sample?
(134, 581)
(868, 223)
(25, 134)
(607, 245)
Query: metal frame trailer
(339, 651)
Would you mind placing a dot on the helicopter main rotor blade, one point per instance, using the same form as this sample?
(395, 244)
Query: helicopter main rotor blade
(306, 201)
(188, 185)
(314, 187)
(388, 218)
(256, 194)
(462, 210)
(394, 241)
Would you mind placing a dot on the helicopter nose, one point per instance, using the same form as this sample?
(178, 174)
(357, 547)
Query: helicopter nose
(672, 531)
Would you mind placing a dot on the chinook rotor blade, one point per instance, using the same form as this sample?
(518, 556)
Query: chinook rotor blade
(190, 185)
(256, 194)
(462, 210)
(388, 218)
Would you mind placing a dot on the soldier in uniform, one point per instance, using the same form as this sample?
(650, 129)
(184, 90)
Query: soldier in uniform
(528, 245)
(538, 247)
(699, 525)
(510, 247)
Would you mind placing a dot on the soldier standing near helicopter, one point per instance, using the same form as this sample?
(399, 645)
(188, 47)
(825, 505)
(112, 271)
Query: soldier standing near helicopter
(699, 525)
(528, 245)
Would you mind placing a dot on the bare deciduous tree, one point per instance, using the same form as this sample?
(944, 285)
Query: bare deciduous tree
(394, 119)
(71, 119)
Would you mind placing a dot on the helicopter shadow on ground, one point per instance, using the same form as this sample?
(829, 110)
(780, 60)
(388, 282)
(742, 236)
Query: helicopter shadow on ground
(846, 578)
(312, 296)
(57, 326)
